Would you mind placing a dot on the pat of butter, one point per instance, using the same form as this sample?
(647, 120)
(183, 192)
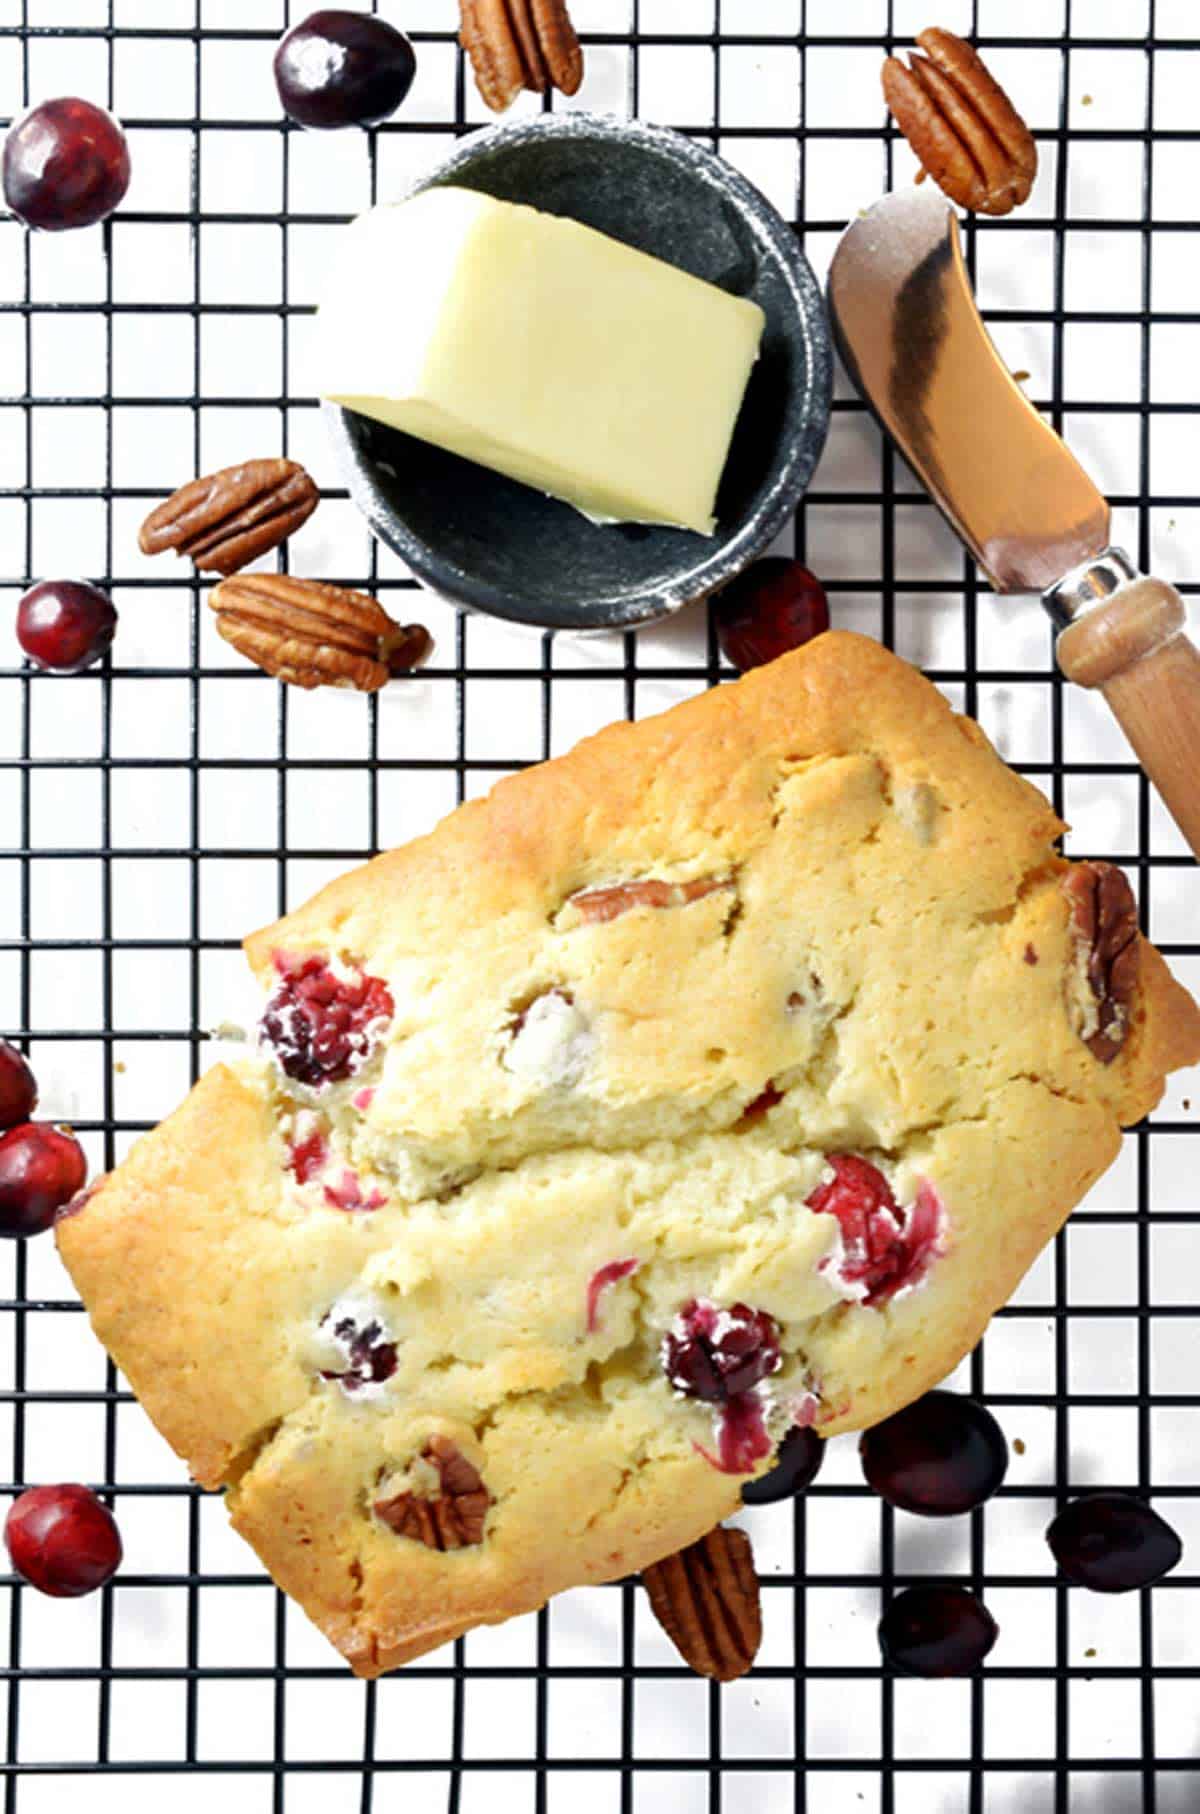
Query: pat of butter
(542, 349)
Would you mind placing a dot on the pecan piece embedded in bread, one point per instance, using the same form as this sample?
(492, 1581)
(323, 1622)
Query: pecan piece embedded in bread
(452, 1517)
(596, 906)
(1105, 920)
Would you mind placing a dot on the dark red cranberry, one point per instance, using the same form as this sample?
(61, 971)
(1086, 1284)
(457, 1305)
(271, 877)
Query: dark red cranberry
(66, 164)
(743, 1439)
(65, 624)
(63, 1540)
(343, 69)
(322, 1026)
(774, 606)
(942, 1455)
(797, 1465)
(936, 1631)
(1112, 1543)
(370, 1356)
(18, 1089)
(715, 1355)
(885, 1248)
(41, 1168)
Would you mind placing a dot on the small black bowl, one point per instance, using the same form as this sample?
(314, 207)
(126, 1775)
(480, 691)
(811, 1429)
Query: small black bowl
(493, 545)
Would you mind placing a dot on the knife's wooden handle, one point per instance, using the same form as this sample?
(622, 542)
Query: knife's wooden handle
(1134, 649)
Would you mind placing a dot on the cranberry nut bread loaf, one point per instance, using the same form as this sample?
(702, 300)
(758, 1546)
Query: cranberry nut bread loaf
(725, 1074)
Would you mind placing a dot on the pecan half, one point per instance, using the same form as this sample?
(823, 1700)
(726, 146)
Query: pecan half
(960, 123)
(596, 906)
(706, 1600)
(454, 1518)
(1104, 917)
(228, 519)
(517, 44)
(310, 633)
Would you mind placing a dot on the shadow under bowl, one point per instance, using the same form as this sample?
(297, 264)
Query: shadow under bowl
(490, 544)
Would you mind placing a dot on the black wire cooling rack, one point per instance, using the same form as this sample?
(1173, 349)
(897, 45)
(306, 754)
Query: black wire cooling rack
(159, 807)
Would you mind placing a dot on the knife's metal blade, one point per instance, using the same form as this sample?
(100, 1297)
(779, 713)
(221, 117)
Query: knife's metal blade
(914, 344)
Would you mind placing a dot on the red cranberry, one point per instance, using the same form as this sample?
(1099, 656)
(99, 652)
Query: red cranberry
(370, 1357)
(65, 624)
(936, 1631)
(308, 1157)
(66, 164)
(885, 1248)
(940, 1456)
(322, 1026)
(742, 1436)
(41, 1168)
(347, 1193)
(343, 69)
(716, 1355)
(1112, 1543)
(720, 1357)
(774, 606)
(18, 1090)
(760, 1107)
(796, 1467)
(599, 1283)
(63, 1540)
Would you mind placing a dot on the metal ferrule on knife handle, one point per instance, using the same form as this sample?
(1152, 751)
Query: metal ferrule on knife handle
(1088, 585)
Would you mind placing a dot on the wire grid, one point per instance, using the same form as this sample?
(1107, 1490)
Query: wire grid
(159, 807)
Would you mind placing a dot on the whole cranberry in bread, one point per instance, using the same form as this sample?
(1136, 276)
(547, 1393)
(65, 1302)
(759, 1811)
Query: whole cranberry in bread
(714, 1082)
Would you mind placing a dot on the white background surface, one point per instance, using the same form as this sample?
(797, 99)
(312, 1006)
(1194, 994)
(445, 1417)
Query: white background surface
(194, 863)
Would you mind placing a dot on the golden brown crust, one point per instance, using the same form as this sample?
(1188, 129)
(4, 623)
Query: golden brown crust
(184, 1211)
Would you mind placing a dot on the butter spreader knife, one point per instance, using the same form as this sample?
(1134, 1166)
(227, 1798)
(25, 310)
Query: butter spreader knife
(912, 339)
